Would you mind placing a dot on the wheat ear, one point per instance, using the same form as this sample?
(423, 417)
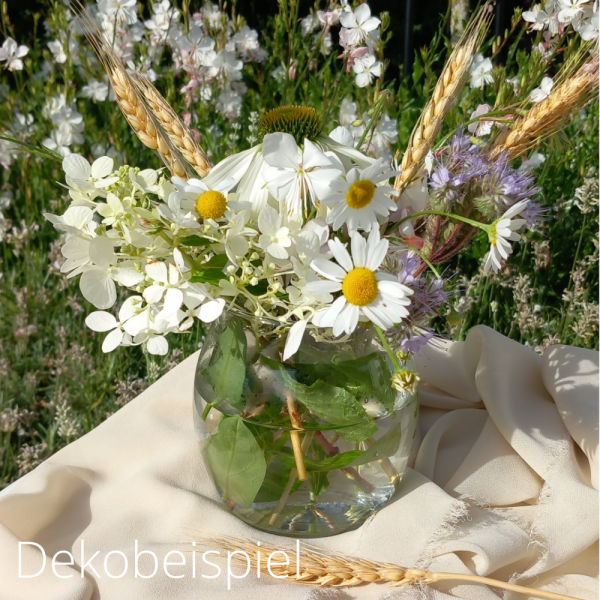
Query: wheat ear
(544, 119)
(141, 119)
(447, 89)
(177, 131)
(332, 569)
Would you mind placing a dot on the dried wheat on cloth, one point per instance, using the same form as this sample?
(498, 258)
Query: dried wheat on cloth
(504, 484)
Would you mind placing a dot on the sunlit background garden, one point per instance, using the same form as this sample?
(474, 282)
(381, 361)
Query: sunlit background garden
(221, 75)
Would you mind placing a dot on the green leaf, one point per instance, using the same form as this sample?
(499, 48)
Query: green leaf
(212, 276)
(276, 480)
(318, 481)
(358, 433)
(259, 289)
(195, 241)
(328, 402)
(236, 461)
(387, 445)
(366, 377)
(338, 461)
(226, 370)
(218, 261)
(211, 271)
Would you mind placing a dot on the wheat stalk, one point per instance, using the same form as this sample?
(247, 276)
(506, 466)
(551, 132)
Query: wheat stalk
(131, 102)
(177, 131)
(447, 89)
(317, 568)
(544, 119)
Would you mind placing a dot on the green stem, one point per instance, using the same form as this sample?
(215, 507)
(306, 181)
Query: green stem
(185, 255)
(39, 150)
(477, 224)
(386, 345)
(207, 409)
(422, 256)
(372, 122)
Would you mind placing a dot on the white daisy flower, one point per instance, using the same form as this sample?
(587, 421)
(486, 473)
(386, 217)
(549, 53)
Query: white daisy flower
(358, 24)
(359, 200)
(294, 176)
(366, 292)
(210, 202)
(504, 229)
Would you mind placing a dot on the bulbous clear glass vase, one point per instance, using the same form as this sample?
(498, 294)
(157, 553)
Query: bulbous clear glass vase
(307, 448)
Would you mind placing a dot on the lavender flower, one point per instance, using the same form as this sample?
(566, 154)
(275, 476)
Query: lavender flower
(464, 175)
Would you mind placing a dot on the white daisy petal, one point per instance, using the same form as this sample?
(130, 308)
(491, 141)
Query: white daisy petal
(340, 253)
(294, 339)
(359, 250)
(323, 287)
(328, 269)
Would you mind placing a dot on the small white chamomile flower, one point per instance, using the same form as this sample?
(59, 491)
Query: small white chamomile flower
(503, 230)
(359, 200)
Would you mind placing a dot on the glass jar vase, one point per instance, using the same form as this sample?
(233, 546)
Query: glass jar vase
(309, 447)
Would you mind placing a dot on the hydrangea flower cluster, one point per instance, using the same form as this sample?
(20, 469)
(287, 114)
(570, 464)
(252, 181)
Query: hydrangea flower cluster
(188, 250)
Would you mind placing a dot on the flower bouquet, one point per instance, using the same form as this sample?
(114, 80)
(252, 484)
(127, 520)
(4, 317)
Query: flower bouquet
(314, 266)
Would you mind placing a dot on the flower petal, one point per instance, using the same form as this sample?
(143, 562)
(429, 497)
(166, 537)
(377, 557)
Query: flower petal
(280, 150)
(294, 339)
(341, 254)
(323, 287)
(210, 311)
(100, 321)
(98, 288)
(102, 167)
(112, 340)
(328, 269)
(157, 345)
(157, 271)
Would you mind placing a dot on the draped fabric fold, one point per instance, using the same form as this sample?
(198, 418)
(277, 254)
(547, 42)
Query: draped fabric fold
(504, 484)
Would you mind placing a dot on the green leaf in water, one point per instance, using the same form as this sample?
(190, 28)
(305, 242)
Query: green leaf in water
(330, 403)
(226, 370)
(236, 461)
(387, 445)
(338, 461)
(318, 481)
(276, 480)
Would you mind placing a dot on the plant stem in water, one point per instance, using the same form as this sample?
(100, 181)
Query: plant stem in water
(295, 437)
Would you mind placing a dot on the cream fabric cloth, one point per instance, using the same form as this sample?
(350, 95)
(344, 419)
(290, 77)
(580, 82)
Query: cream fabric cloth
(504, 484)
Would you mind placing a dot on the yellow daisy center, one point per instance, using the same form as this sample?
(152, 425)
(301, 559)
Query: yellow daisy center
(360, 194)
(360, 286)
(211, 205)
